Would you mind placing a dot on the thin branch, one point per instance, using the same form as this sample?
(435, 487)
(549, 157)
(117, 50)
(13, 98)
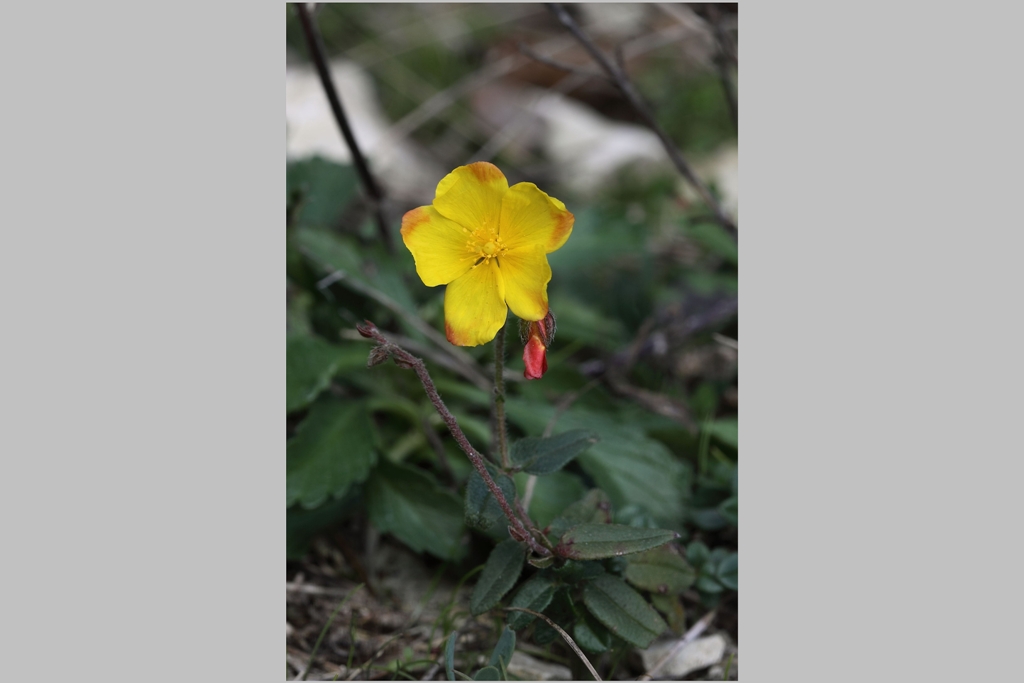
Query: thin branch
(508, 133)
(722, 60)
(565, 636)
(629, 90)
(406, 360)
(690, 635)
(316, 50)
(468, 372)
(571, 68)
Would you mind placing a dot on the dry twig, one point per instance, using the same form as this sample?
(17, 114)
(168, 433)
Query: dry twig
(568, 639)
(316, 50)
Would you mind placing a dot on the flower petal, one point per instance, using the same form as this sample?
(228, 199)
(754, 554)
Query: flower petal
(529, 216)
(471, 195)
(535, 359)
(439, 246)
(526, 274)
(474, 306)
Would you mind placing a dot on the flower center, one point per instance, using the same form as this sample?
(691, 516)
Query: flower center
(487, 245)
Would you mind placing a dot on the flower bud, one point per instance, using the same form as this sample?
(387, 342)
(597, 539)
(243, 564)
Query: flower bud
(537, 335)
(378, 354)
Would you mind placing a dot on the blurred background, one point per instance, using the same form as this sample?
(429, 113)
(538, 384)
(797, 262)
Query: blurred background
(644, 291)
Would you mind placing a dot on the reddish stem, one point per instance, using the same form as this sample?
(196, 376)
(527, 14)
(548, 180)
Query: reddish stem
(404, 359)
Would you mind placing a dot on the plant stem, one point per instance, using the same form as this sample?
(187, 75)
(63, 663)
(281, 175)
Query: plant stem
(500, 429)
(316, 50)
(406, 360)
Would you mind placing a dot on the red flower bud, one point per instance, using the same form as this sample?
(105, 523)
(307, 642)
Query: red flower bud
(537, 335)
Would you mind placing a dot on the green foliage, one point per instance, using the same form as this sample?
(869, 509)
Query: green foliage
(332, 449)
(727, 431)
(408, 502)
(552, 493)
(319, 191)
(660, 570)
(598, 541)
(449, 656)
(311, 364)
(545, 456)
(593, 507)
(488, 673)
(534, 594)
(499, 576)
(591, 635)
(622, 610)
(482, 511)
(503, 650)
(717, 569)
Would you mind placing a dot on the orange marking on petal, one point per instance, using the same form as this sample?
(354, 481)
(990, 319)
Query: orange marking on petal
(485, 171)
(413, 219)
(563, 224)
(449, 333)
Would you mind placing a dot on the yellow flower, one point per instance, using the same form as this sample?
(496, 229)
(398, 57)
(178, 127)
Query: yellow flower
(489, 243)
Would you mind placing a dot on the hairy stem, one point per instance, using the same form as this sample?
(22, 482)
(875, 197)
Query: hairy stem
(500, 429)
(406, 360)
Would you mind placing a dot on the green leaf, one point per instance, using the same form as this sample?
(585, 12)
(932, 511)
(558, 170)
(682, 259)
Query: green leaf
(332, 449)
(729, 508)
(714, 238)
(631, 467)
(622, 610)
(593, 508)
(534, 594)
(409, 503)
(324, 189)
(598, 541)
(502, 654)
(591, 636)
(708, 584)
(449, 656)
(573, 572)
(482, 511)
(726, 430)
(303, 525)
(727, 572)
(660, 570)
(709, 519)
(544, 456)
(311, 363)
(578, 321)
(698, 554)
(552, 493)
(499, 575)
(488, 673)
(562, 610)
(672, 607)
(342, 254)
